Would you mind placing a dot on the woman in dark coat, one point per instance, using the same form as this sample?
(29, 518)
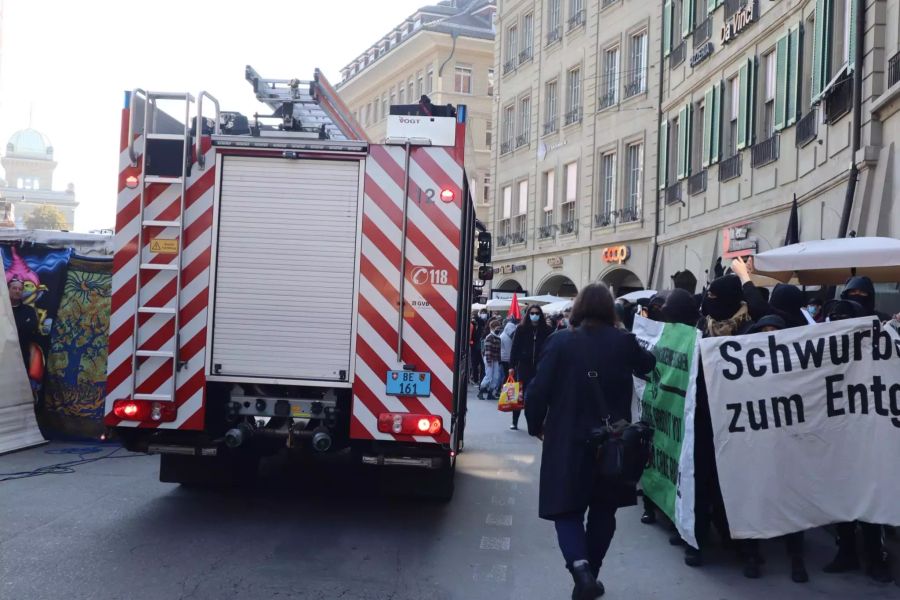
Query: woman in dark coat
(527, 344)
(561, 409)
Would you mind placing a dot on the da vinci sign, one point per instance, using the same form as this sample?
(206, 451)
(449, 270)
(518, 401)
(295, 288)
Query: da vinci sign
(739, 21)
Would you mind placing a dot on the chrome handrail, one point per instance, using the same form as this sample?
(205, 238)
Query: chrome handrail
(201, 160)
(134, 92)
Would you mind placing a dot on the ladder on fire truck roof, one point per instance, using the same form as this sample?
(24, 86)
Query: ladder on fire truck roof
(315, 103)
(161, 139)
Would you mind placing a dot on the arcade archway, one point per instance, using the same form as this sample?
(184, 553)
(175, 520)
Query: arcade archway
(622, 281)
(558, 285)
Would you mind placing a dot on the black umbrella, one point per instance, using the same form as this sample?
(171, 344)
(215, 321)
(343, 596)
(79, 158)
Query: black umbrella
(793, 229)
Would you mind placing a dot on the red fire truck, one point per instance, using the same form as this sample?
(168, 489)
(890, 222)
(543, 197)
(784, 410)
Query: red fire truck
(281, 282)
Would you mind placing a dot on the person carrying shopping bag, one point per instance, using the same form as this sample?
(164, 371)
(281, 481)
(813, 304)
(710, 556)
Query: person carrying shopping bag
(492, 370)
(527, 344)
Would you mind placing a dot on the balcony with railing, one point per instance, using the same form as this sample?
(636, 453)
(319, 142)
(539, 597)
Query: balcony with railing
(509, 66)
(605, 219)
(550, 126)
(577, 20)
(518, 229)
(506, 147)
(630, 213)
(567, 223)
(765, 152)
(733, 6)
(894, 69)
(703, 32)
(673, 194)
(554, 35)
(522, 140)
(568, 227)
(807, 127)
(545, 231)
(637, 84)
(526, 55)
(839, 100)
(573, 116)
(607, 98)
(697, 183)
(676, 55)
(607, 3)
(503, 237)
(730, 167)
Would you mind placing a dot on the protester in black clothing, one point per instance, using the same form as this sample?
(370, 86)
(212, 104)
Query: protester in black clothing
(680, 307)
(724, 314)
(858, 300)
(561, 409)
(477, 335)
(527, 344)
(26, 319)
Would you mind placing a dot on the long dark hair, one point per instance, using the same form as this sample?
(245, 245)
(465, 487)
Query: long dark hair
(594, 305)
(542, 322)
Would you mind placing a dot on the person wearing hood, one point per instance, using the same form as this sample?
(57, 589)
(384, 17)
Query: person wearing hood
(680, 307)
(724, 313)
(490, 384)
(786, 301)
(506, 341)
(858, 300)
(527, 344)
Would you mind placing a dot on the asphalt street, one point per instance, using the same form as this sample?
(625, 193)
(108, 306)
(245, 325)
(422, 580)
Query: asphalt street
(110, 530)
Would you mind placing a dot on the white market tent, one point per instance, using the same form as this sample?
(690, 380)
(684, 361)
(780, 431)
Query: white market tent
(638, 295)
(832, 262)
(503, 304)
(554, 308)
(543, 299)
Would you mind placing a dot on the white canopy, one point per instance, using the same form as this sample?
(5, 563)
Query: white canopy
(502, 304)
(543, 299)
(478, 306)
(832, 261)
(556, 307)
(633, 297)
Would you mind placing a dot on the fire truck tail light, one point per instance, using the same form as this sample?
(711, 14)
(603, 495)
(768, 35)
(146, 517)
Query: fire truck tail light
(145, 410)
(409, 424)
(447, 195)
(131, 182)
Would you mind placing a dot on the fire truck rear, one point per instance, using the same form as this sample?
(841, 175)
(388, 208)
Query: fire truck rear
(280, 282)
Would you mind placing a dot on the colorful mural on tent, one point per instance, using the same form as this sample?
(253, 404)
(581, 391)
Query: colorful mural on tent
(76, 369)
(71, 295)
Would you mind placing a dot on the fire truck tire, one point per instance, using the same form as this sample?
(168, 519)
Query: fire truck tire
(208, 471)
(439, 484)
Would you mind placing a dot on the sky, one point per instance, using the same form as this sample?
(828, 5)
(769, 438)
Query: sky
(65, 65)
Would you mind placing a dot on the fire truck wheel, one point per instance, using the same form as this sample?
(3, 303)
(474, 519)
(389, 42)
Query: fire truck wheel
(208, 471)
(439, 483)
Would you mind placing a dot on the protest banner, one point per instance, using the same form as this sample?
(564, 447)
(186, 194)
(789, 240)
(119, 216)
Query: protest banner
(666, 401)
(806, 423)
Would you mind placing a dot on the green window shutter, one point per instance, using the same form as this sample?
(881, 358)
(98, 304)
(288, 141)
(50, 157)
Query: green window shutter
(708, 112)
(687, 17)
(821, 58)
(667, 28)
(793, 79)
(710, 5)
(663, 154)
(752, 69)
(716, 133)
(852, 26)
(682, 132)
(743, 86)
(781, 82)
(688, 138)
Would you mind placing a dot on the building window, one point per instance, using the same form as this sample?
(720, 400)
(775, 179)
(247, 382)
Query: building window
(527, 38)
(401, 91)
(20, 183)
(567, 209)
(462, 80)
(576, 14)
(486, 191)
(512, 49)
(524, 121)
(673, 151)
(554, 29)
(549, 191)
(369, 113)
(609, 87)
(768, 104)
(410, 92)
(429, 79)
(637, 81)
(551, 107)
(490, 82)
(488, 133)
(384, 106)
(607, 188)
(508, 129)
(521, 221)
(634, 167)
(573, 96)
(697, 136)
(733, 101)
(506, 214)
(393, 97)
(420, 84)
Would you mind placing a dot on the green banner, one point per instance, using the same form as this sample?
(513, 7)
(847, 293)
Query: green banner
(667, 401)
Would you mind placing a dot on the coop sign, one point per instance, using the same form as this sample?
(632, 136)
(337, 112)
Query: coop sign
(738, 22)
(616, 254)
(555, 262)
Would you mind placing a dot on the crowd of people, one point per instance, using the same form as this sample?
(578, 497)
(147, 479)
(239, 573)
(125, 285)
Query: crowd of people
(546, 355)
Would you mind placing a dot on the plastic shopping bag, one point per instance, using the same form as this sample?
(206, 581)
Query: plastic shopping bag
(511, 396)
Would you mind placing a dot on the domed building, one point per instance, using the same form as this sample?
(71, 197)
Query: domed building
(28, 184)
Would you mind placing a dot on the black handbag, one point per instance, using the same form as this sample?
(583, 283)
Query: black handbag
(621, 450)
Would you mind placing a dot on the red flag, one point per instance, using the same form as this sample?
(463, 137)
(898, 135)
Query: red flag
(514, 308)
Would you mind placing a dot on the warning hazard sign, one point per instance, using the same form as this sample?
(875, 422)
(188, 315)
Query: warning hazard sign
(163, 246)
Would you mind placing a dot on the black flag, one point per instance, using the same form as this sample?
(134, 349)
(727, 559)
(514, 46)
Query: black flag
(793, 229)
